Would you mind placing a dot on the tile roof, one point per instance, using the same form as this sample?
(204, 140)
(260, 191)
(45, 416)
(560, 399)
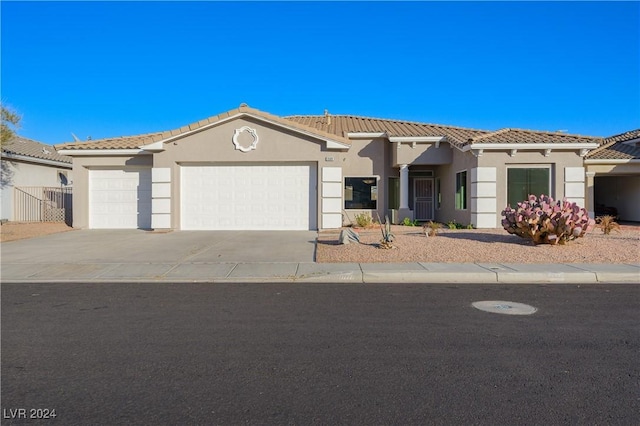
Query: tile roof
(517, 136)
(343, 124)
(336, 127)
(614, 148)
(30, 148)
(134, 142)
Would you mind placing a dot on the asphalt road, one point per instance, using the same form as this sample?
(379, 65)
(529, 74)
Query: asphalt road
(319, 354)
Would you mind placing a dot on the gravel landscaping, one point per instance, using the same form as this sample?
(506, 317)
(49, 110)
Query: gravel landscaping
(11, 231)
(480, 245)
(460, 245)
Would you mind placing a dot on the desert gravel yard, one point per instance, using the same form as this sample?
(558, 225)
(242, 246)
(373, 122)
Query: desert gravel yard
(480, 245)
(11, 231)
(460, 245)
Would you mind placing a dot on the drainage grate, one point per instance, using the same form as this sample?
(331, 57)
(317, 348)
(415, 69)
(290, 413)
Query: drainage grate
(503, 307)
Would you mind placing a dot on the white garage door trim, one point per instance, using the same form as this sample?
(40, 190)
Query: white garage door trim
(274, 196)
(120, 198)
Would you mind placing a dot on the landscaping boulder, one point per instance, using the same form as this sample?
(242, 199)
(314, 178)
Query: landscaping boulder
(348, 236)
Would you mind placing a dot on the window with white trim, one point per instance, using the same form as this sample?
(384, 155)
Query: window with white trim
(361, 192)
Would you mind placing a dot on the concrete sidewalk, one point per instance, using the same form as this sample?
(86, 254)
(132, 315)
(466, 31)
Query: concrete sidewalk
(272, 272)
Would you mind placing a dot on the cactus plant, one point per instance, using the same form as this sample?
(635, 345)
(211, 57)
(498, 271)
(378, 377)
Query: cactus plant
(544, 221)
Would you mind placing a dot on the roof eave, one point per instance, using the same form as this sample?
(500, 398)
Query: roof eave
(102, 152)
(331, 142)
(19, 157)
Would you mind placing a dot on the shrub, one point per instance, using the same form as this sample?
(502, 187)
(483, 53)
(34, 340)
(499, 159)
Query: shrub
(408, 222)
(364, 220)
(607, 223)
(452, 224)
(545, 221)
(431, 228)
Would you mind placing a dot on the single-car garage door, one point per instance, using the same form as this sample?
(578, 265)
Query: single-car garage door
(248, 197)
(120, 199)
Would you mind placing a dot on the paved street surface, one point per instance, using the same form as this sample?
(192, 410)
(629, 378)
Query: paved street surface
(319, 354)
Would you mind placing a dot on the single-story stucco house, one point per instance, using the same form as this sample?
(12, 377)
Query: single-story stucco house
(30, 164)
(248, 169)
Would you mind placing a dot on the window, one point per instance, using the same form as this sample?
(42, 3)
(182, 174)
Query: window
(522, 182)
(438, 194)
(393, 194)
(360, 192)
(461, 190)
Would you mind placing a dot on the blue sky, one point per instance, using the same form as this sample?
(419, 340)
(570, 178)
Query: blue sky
(103, 69)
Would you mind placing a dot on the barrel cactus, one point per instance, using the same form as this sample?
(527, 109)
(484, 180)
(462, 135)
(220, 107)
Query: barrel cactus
(545, 221)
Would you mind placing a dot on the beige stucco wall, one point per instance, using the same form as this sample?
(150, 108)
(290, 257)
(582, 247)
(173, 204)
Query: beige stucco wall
(20, 173)
(276, 144)
(502, 160)
(81, 167)
(461, 161)
(420, 154)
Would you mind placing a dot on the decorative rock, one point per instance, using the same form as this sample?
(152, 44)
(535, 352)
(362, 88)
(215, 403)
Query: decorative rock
(348, 236)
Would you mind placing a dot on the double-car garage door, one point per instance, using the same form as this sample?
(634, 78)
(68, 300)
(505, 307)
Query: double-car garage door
(212, 197)
(248, 197)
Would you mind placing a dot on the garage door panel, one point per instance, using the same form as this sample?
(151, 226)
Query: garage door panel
(265, 197)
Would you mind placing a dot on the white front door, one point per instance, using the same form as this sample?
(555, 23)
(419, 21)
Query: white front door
(423, 198)
(120, 199)
(248, 197)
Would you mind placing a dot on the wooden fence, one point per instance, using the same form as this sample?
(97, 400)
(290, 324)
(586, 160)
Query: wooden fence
(42, 204)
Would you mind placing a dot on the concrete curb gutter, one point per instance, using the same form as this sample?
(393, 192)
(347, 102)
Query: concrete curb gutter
(348, 273)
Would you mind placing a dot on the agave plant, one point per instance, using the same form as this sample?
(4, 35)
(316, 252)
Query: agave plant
(387, 235)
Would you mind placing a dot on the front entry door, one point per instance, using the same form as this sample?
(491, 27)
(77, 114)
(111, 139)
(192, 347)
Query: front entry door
(423, 198)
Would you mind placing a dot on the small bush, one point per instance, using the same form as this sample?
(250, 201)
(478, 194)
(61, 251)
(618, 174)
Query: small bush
(452, 224)
(364, 220)
(408, 222)
(431, 228)
(607, 223)
(544, 221)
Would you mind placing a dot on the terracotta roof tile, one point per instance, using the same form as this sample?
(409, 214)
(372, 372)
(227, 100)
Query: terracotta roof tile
(31, 148)
(342, 124)
(514, 136)
(614, 148)
(136, 141)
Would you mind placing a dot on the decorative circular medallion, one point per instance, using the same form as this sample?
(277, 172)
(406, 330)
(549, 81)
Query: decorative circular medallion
(252, 133)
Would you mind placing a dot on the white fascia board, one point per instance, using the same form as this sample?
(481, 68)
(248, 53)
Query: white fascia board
(246, 114)
(530, 146)
(102, 152)
(430, 139)
(19, 157)
(335, 145)
(153, 147)
(366, 135)
(611, 161)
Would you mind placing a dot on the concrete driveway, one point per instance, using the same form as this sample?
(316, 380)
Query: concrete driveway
(136, 246)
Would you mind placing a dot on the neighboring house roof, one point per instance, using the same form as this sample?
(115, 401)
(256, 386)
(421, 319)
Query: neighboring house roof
(520, 136)
(133, 142)
(27, 149)
(615, 148)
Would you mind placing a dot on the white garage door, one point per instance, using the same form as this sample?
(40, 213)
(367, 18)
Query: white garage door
(120, 199)
(256, 197)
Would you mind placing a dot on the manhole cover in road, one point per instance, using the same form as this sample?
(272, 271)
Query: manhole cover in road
(502, 307)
